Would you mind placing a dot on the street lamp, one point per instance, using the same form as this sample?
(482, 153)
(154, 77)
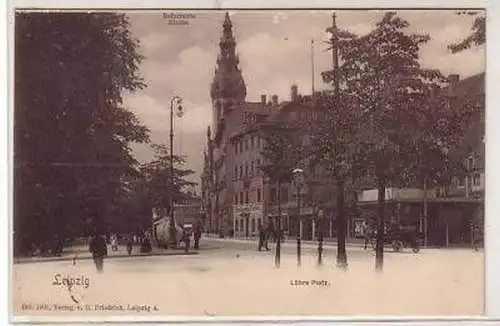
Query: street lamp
(175, 103)
(298, 177)
(320, 243)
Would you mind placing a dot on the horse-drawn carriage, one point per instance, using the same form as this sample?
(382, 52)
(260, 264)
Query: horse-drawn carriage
(400, 238)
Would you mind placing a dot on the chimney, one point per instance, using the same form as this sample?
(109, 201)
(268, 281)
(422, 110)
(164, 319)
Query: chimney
(453, 79)
(263, 99)
(294, 93)
(274, 100)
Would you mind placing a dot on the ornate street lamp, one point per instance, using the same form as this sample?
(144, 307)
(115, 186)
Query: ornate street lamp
(175, 104)
(298, 178)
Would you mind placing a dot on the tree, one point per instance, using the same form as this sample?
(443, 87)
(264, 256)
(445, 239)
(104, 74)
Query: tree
(389, 91)
(280, 155)
(477, 36)
(333, 139)
(162, 187)
(72, 132)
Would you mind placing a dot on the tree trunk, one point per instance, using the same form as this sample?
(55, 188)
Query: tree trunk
(277, 258)
(341, 226)
(379, 250)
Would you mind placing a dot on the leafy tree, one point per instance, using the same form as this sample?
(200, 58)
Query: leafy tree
(334, 137)
(280, 155)
(135, 206)
(161, 188)
(72, 132)
(333, 141)
(389, 91)
(477, 35)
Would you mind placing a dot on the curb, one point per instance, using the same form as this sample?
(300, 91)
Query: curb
(48, 260)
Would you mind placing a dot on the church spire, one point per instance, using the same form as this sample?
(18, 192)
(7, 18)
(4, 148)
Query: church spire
(227, 60)
(228, 85)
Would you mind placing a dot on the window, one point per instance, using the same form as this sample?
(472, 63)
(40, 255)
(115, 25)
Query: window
(272, 195)
(284, 194)
(251, 167)
(246, 144)
(236, 149)
(258, 195)
(246, 197)
(242, 225)
(241, 198)
(241, 171)
(284, 222)
(236, 199)
(253, 225)
(236, 225)
(246, 168)
(258, 141)
(236, 172)
(477, 180)
(252, 143)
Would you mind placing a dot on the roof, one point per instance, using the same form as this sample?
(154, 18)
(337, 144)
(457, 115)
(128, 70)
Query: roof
(471, 86)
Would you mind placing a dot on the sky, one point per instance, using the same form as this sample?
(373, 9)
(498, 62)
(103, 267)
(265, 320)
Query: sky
(275, 52)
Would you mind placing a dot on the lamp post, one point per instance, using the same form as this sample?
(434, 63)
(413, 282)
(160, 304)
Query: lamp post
(298, 175)
(320, 243)
(176, 102)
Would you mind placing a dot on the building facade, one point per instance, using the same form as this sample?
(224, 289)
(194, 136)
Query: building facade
(446, 214)
(237, 196)
(234, 189)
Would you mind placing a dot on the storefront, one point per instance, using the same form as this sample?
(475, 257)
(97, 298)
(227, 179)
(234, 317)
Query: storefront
(246, 219)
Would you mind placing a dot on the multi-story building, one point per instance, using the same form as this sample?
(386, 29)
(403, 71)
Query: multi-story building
(235, 191)
(447, 213)
(237, 196)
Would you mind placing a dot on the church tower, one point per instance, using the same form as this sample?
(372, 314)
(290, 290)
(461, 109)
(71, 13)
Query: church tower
(228, 88)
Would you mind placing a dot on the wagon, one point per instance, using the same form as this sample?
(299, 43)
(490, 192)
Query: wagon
(399, 239)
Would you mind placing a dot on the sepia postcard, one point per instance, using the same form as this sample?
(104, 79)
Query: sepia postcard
(261, 163)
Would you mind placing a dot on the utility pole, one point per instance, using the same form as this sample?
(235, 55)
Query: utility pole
(312, 68)
(335, 58)
(341, 226)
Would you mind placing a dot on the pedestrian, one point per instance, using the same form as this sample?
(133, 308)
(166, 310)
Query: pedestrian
(129, 245)
(267, 234)
(99, 250)
(114, 242)
(261, 236)
(186, 239)
(197, 235)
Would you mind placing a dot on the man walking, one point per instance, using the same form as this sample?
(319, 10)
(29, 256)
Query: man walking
(99, 250)
(130, 243)
(261, 236)
(267, 234)
(197, 235)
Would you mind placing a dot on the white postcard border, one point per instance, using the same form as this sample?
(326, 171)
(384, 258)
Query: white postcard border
(492, 205)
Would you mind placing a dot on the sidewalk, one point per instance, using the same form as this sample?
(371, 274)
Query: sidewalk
(328, 242)
(81, 252)
(351, 243)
